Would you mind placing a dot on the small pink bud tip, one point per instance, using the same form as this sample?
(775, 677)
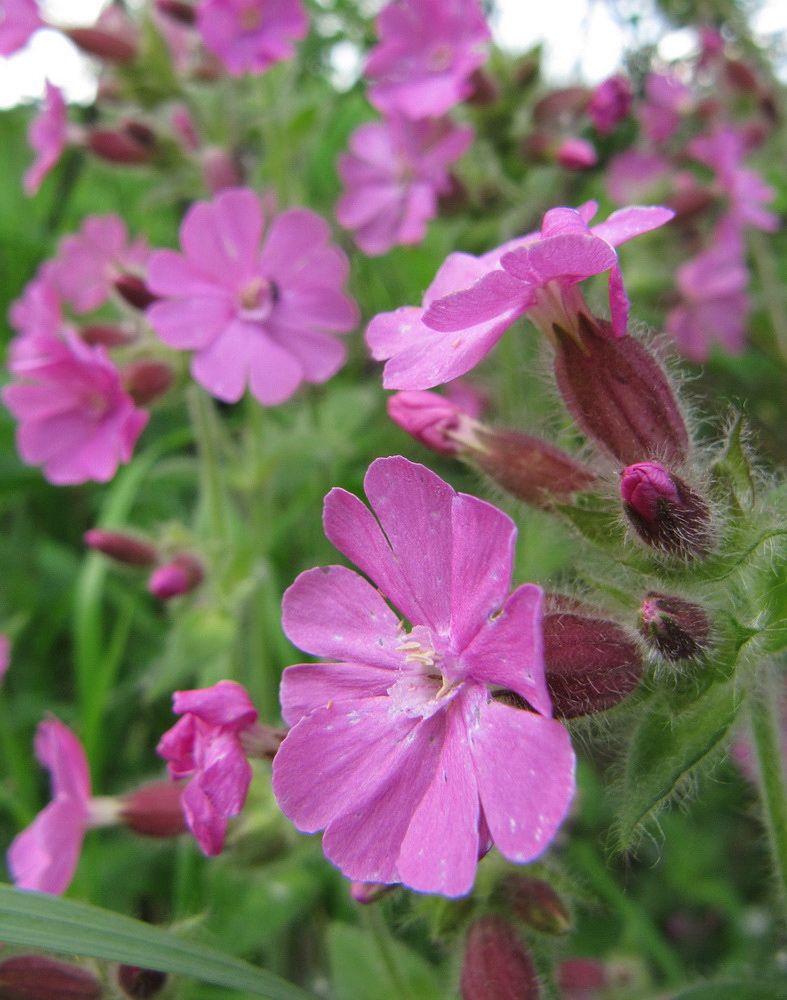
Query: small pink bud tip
(665, 512)
(576, 154)
(125, 548)
(496, 964)
(134, 291)
(145, 381)
(675, 628)
(537, 904)
(428, 417)
(140, 984)
(176, 578)
(35, 977)
(155, 810)
(369, 892)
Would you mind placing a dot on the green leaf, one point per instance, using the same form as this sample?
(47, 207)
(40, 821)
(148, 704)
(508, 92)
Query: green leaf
(737, 989)
(364, 967)
(732, 473)
(595, 520)
(37, 920)
(666, 748)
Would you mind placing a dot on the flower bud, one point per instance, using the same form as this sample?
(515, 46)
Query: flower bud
(145, 381)
(134, 291)
(496, 964)
(609, 104)
(133, 144)
(220, 169)
(109, 335)
(576, 154)
(591, 663)
(675, 628)
(618, 394)
(107, 45)
(125, 548)
(185, 13)
(535, 903)
(36, 977)
(665, 512)
(176, 578)
(581, 979)
(430, 418)
(140, 984)
(154, 810)
(369, 892)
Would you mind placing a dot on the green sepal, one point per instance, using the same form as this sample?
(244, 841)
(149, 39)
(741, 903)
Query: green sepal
(732, 477)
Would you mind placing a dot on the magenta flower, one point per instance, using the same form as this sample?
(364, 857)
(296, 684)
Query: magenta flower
(668, 101)
(18, 20)
(248, 36)
(205, 746)
(76, 420)
(88, 262)
(610, 104)
(399, 748)
(257, 314)
(47, 135)
(5, 656)
(537, 274)
(393, 175)
(427, 52)
(44, 856)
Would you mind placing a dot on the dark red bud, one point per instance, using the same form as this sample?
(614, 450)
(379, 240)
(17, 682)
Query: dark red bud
(453, 198)
(125, 548)
(485, 91)
(155, 810)
(665, 512)
(561, 105)
(688, 204)
(675, 628)
(496, 964)
(536, 904)
(106, 334)
(118, 147)
(104, 44)
(618, 394)
(176, 578)
(741, 77)
(140, 984)
(591, 662)
(369, 892)
(186, 13)
(581, 979)
(145, 381)
(35, 977)
(134, 291)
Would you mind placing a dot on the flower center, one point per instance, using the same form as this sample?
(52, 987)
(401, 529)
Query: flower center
(423, 686)
(257, 298)
(440, 58)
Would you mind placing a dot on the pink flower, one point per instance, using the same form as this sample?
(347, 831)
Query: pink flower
(47, 135)
(667, 102)
(398, 747)
(5, 656)
(205, 746)
(427, 52)
(44, 856)
(88, 262)
(575, 153)
(75, 418)
(393, 175)
(636, 173)
(536, 274)
(251, 35)
(256, 314)
(18, 20)
(610, 103)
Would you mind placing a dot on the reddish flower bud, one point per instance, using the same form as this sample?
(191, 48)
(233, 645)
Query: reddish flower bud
(430, 418)
(581, 979)
(145, 381)
(134, 291)
(591, 662)
(106, 334)
(125, 548)
(610, 103)
(106, 45)
(118, 147)
(665, 512)
(140, 984)
(35, 977)
(675, 628)
(496, 964)
(186, 13)
(536, 904)
(369, 892)
(576, 154)
(690, 202)
(176, 578)
(154, 810)
(485, 91)
(561, 105)
(220, 169)
(618, 394)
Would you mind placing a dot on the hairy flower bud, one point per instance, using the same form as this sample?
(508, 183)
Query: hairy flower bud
(107, 45)
(175, 578)
(496, 964)
(36, 977)
(145, 381)
(140, 984)
(154, 810)
(134, 291)
(675, 628)
(125, 548)
(665, 512)
(591, 662)
(618, 394)
(536, 904)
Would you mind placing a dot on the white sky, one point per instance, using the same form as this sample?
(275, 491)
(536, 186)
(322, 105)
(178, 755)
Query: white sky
(582, 40)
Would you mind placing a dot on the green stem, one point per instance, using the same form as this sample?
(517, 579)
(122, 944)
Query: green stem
(764, 707)
(206, 432)
(386, 947)
(773, 290)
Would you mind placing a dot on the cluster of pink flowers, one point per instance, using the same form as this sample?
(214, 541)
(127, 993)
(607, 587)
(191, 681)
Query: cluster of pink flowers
(397, 169)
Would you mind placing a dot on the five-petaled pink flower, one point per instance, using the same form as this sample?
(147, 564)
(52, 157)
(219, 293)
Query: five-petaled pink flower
(47, 135)
(257, 314)
(44, 856)
(205, 746)
(248, 36)
(18, 20)
(536, 275)
(76, 419)
(393, 175)
(399, 747)
(427, 53)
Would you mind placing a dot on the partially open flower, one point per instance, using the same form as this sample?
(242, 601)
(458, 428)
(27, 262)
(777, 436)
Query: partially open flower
(676, 628)
(665, 511)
